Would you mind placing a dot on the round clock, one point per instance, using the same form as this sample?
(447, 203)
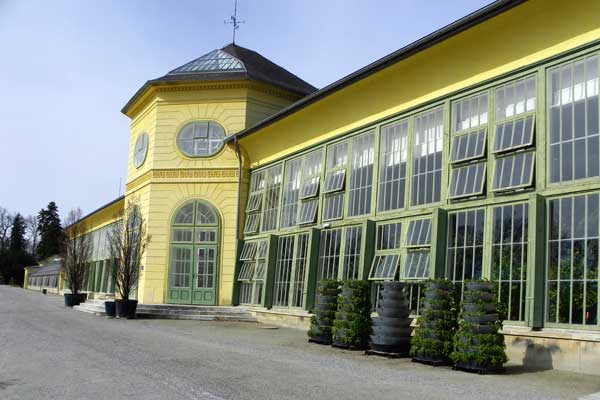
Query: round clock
(141, 149)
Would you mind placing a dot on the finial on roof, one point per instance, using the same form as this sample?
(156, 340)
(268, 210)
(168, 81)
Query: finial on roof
(235, 23)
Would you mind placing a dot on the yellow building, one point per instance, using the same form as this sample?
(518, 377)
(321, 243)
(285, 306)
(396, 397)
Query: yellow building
(255, 186)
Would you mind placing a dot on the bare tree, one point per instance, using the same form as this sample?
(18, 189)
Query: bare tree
(32, 226)
(6, 221)
(76, 250)
(127, 241)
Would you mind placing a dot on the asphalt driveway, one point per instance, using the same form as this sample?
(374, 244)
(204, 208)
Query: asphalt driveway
(48, 351)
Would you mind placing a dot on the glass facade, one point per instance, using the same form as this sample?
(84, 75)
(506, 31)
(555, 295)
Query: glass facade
(499, 182)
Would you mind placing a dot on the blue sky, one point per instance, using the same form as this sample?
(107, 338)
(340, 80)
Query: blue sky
(68, 67)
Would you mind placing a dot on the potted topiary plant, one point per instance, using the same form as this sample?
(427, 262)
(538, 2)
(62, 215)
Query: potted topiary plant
(321, 322)
(478, 346)
(352, 324)
(127, 242)
(76, 250)
(432, 342)
(391, 329)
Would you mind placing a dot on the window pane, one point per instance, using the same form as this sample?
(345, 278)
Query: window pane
(352, 253)
(329, 256)
(182, 235)
(200, 138)
(388, 236)
(291, 192)
(361, 175)
(384, 267)
(283, 271)
(514, 134)
(419, 233)
(467, 181)
(427, 157)
(271, 207)
(573, 116)
(308, 211)
(249, 251)
(515, 98)
(335, 181)
(254, 202)
(416, 264)
(247, 271)
(332, 206)
(468, 146)
(181, 264)
(513, 172)
(470, 113)
(392, 166)
(252, 221)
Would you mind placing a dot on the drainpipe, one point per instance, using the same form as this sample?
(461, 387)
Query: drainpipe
(234, 294)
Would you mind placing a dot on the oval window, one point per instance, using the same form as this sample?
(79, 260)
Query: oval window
(200, 138)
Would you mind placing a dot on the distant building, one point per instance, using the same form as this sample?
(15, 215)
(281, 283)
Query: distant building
(471, 153)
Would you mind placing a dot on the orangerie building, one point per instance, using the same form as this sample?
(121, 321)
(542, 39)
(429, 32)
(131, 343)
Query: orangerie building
(473, 152)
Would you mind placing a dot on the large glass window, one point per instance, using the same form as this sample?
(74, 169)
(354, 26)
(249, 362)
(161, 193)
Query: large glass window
(392, 166)
(329, 257)
(572, 266)
(418, 249)
(427, 157)
(509, 257)
(352, 247)
(335, 181)
(252, 271)
(465, 246)
(387, 252)
(573, 120)
(271, 203)
(200, 138)
(291, 193)
(255, 201)
(360, 191)
(311, 179)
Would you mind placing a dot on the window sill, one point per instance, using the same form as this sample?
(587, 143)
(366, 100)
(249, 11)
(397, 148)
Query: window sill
(553, 333)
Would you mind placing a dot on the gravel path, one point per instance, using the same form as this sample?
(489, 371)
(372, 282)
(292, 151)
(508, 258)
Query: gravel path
(50, 352)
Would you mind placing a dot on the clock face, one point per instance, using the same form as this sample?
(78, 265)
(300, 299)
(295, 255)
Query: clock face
(141, 148)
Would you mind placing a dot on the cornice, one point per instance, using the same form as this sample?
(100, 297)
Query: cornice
(208, 175)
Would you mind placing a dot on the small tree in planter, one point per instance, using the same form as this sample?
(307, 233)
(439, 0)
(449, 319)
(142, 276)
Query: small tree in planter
(76, 250)
(127, 241)
(321, 322)
(352, 325)
(477, 345)
(432, 342)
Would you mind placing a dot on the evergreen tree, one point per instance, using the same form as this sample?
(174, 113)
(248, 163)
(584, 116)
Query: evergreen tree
(17, 257)
(51, 232)
(17, 234)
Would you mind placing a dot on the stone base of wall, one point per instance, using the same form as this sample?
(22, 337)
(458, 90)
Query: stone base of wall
(39, 289)
(284, 318)
(561, 349)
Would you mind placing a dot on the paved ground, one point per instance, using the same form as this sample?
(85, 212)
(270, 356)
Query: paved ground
(50, 352)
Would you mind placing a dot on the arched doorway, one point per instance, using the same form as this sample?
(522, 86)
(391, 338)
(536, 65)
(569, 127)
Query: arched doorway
(194, 254)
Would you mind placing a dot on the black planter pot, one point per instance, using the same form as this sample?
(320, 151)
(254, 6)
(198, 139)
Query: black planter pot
(393, 302)
(483, 329)
(437, 295)
(44, 291)
(393, 286)
(478, 287)
(445, 286)
(390, 341)
(394, 312)
(392, 322)
(392, 331)
(474, 307)
(109, 309)
(72, 300)
(474, 297)
(126, 308)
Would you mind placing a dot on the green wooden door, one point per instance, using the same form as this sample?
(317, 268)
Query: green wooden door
(194, 255)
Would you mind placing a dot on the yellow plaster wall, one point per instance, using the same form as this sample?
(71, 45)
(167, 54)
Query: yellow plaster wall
(103, 216)
(530, 32)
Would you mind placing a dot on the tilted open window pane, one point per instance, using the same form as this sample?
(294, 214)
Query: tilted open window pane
(248, 251)
(384, 267)
(252, 221)
(247, 271)
(271, 206)
(468, 146)
(329, 257)
(514, 134)
(388, 236)
(308, 211)
(419, 233)
(254, 202)
(427, 157)
(416, 265)
(515, 98)
(310, 187)
(260, 270)
(470, 113)
(334, 181)
(392, 166)
(262, 249)
(291, 193)
(514, 172)
(333, 206)
(467, 181)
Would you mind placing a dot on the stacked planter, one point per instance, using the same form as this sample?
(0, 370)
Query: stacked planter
(321, 323)
(352, 325)
(477, 345)
(391, 330)
(433, 339)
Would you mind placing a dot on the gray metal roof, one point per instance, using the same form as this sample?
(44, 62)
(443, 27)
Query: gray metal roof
(53, 268)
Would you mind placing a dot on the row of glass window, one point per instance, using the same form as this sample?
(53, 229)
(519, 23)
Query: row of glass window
(347, 177)
(48, 281)
(403, 251)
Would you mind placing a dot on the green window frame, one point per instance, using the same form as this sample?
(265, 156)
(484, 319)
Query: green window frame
(360, 188)
(572, 114)
(291, 267)
(393, 155)
(255, 202)
(572, 261)
(465, 245)
(513, 172)
(427, 154)
(340, 253)
(509, 251)
(384, 266)
(467, 181)
(312, 167)
(291, 193)
(251, 275)
(272, 194)
(468, 146)
(335, 181)
(417, 249)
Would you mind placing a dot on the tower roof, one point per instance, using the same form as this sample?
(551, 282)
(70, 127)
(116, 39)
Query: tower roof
(231, 62)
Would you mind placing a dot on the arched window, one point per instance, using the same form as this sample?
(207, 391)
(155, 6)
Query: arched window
(194, 254)
(200, 138)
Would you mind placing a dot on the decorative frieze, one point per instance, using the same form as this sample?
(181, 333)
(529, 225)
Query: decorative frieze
(205, 174)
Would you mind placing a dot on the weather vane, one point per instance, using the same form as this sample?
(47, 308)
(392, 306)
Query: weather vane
(235, 23)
